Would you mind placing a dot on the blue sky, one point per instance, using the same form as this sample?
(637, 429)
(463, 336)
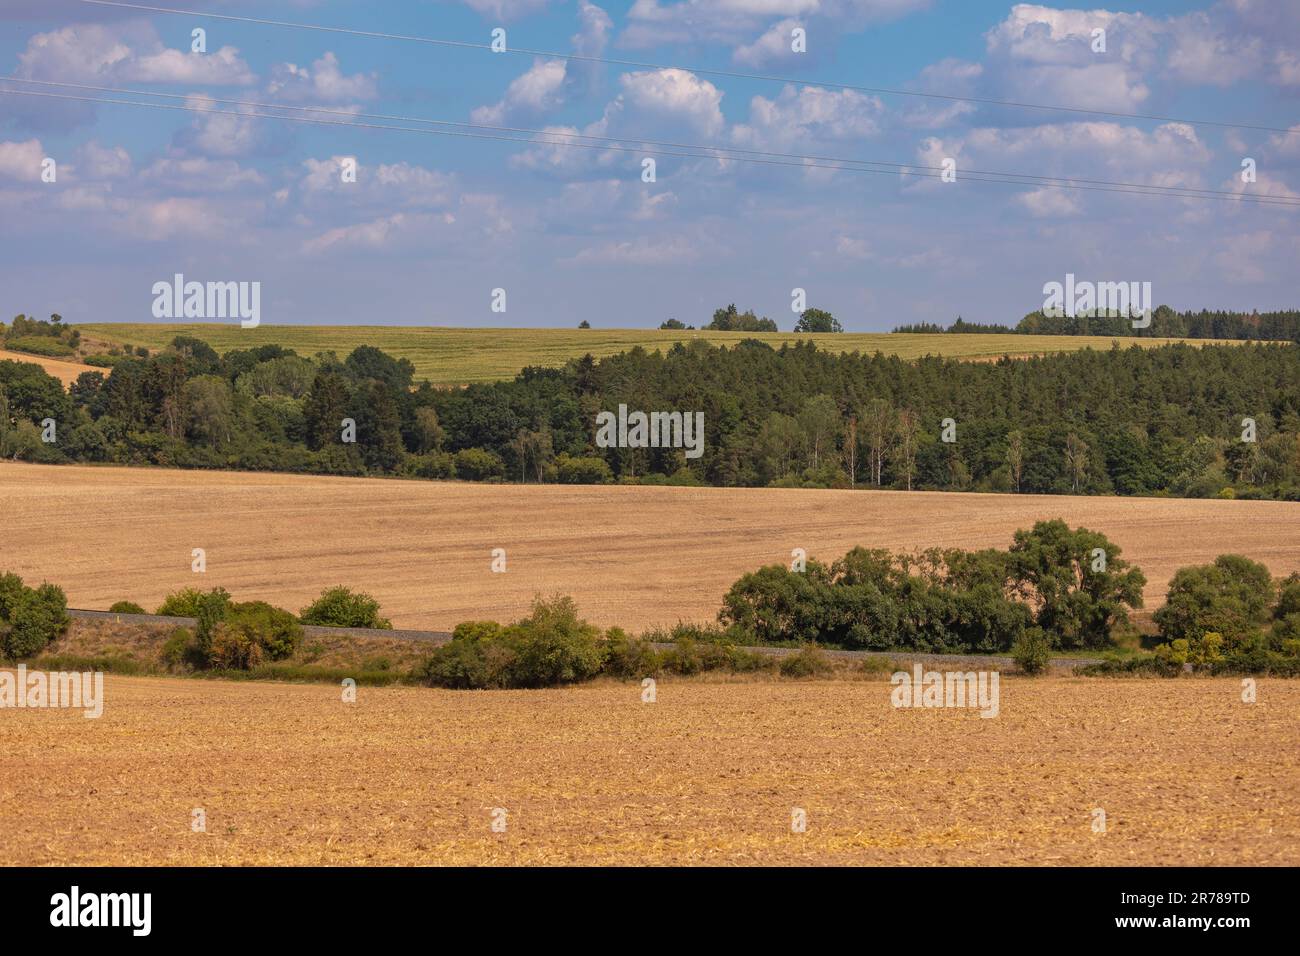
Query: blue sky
(435, 223)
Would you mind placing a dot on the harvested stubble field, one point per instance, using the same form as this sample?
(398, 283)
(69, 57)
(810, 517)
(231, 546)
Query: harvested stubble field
(288, 774)
(632, 556)
(456, 356)
(65, 371)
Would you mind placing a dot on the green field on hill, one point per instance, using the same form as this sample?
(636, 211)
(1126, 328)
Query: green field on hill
(461, 356)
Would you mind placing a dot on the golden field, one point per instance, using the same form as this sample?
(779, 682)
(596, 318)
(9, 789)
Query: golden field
(632, 556)
(708, 774)
(65, 371)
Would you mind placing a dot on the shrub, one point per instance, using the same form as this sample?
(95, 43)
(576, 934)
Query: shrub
(467, 665)
(1032, 651)
(232, 648)
(207, 608)
(342, 607)
(475, 464)
(554, 647)
(127, 607)
(590, 470)
(688, 657)
(181, 650)
(182, 603)
(30, 618)
(629, 658)
(810, 661)
(434, 465)
(275, 632)
(549, 648)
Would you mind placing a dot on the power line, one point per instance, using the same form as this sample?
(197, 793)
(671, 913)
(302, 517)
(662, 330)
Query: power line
(1134, 189)
(731, 74)
(706, 149)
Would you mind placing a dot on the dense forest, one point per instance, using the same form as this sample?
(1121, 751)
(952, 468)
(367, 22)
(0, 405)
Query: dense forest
(1176, 420)
(1165, 323)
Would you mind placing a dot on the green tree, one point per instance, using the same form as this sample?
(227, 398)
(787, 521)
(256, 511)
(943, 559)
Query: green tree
(817, 320)
(1076, 580)
(1232, 597)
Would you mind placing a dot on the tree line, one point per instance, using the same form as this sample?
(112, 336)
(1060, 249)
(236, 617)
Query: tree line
(1176, 420)
(1281, 326)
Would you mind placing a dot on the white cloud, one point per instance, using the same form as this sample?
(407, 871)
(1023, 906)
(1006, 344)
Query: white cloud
(506, 9)
(125, 53)
(641, 251)
(771, 47)
(220, 68)
(324, 83)
(102, 162)
(655, 22)
(534, 93)
(548, 84)
(677, 96)
(179, 174)
(807, 115)
(21, 161)
(1050, 203)
(366, 234)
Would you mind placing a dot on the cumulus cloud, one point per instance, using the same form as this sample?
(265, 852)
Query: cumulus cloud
(655, 22)
(549, 83)
(103, 162)
(772, 47)
(380, 186)
(21, 162)
(126, 53)
(506, 9)
(324, 83)
(676, 96)
(809, 114)
(536, 92)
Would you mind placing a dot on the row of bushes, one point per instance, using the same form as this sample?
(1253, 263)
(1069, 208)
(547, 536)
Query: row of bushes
(553, 647)
(234, 635)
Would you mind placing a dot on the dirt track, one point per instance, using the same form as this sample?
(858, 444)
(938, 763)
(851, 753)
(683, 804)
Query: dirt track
(1185, 771)
(630, 556)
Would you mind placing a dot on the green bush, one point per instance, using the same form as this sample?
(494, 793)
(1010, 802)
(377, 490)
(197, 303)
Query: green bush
(207, 607)
(475, 464)
(590, 470)
(1032, 651)
(127, 607)
(688, 657)
(30, 618)
(554, 647)
(468, 665)
(274, 632)
(342, 607)
(629, 658)
(182, 650)
(549, 648)
(182, 603)
(810, 661)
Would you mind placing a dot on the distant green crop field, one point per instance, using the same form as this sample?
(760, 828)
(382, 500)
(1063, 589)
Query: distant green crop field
(462, 356)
